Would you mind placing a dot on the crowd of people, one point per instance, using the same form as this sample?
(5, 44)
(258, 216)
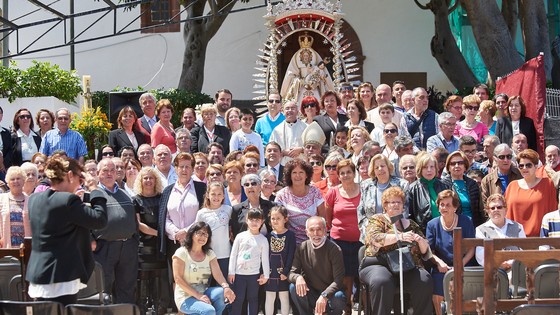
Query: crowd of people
(227, 209)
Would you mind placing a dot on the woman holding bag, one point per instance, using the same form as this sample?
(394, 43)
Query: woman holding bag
(380, 239)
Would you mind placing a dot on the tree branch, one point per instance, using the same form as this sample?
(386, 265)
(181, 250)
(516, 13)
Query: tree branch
(213, 6)
(454, 6)
(423, 6)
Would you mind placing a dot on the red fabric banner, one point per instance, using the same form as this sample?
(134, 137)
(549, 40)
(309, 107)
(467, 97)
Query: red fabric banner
(529, 81)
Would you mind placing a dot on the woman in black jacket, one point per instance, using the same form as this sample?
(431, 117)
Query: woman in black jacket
(25, 142)
(61, 256)
(422, 194)
(516, 123)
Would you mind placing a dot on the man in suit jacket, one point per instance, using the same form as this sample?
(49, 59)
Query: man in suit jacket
(6, 144)
(273, 155)
(145, 123)
(326, 123)
(209, 132)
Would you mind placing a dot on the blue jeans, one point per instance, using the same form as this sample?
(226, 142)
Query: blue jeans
(306, 304)
(193, 306)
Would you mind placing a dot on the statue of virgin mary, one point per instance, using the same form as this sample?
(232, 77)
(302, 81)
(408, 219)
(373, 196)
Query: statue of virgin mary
(306, 74)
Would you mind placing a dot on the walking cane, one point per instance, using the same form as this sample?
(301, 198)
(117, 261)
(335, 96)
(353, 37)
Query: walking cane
(394, 221)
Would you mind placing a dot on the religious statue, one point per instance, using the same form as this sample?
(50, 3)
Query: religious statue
(307, 74)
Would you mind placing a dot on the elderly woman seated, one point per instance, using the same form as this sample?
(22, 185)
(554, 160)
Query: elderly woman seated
(497, 226)
(379, 240)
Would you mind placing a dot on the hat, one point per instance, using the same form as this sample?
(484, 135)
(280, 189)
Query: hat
(313, 134)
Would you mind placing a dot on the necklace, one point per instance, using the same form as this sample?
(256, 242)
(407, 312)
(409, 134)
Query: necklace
(449, 228)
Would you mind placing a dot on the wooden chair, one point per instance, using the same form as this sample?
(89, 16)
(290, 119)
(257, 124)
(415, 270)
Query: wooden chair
(530, 256)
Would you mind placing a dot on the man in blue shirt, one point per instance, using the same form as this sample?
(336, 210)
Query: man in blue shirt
(62, 138)
(273, 118)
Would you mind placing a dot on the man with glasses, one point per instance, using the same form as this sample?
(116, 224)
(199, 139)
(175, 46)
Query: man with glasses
(288, 134)
(267, 123)
(445, 137)
(467, 145)
(503, 173)
(421, 122)
(183, 140)
(63, 138)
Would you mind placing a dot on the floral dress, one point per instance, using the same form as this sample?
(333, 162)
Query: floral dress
(299, 209)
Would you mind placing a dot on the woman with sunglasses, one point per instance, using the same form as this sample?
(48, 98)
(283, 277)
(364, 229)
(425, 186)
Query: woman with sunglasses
(25, 142)
(390, 132)
(380, 170)
(309, 108)
(331, 177)
(300, 199)
(106, 152)
(316, 162)
(531, 197)
(252, 187)
(466, 188)
(470, 126)
(497, 226)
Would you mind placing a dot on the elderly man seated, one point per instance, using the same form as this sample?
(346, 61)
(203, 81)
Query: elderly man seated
(317, 272)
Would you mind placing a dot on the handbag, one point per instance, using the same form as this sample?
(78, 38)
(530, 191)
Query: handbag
(392, 259)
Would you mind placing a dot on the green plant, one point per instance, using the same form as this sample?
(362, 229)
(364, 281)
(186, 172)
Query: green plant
(181, 99)
(40, 79)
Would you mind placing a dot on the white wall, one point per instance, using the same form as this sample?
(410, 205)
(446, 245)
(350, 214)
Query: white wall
(395, 37)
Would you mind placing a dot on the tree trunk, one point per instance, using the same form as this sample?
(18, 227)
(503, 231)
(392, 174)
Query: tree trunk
(197, 33)
(534, 27)
(493, 37)
(445, 51)
(510, 14)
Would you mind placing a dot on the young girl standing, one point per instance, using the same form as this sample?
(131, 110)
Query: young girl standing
(249, 252)
(217, 214)
(282, 249)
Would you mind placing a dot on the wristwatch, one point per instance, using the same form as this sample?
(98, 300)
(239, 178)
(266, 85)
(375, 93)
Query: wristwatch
(324, 294)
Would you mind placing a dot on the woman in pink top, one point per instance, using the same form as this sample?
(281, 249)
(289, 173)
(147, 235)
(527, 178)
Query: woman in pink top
(469, 126)
(341, 203)
(163, 132)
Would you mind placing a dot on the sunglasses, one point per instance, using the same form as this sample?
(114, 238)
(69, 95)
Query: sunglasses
(504, 157)
(251, 165)
(309, 105)
(316, 163)
(471, 107)
(275, 101)
(330, 167)
(526, 165)
(455, 163)
(108, 154)
(24, 116)
(497, 207)
(390, 130)
(249, 184)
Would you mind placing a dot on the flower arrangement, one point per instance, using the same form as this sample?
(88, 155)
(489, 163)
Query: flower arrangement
(93, 125)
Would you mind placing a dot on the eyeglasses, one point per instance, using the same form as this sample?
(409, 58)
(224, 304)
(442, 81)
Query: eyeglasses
(390, 130)
(526, 165)
(504, 156)
(309, 105)
(316, 163)
(249, 184)
(496, 208)
(63, 118)
(468, 152)
(449, 124)
(201, 233)
(24, 116)
(471, 107)
(407, 168)
(215, 174)
(268, 181)
(108, 154)
(455, 163)
(251, 165)
(330, 167)
(275, 101)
